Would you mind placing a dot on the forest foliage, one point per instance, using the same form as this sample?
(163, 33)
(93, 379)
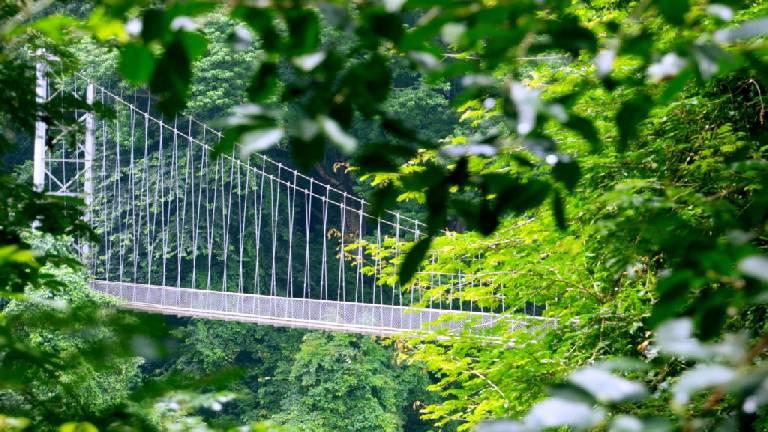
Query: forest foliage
(603, 159)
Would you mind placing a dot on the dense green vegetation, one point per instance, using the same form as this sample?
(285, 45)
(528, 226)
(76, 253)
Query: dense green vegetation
(606, 160)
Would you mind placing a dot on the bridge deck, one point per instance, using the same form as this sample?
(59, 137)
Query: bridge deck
(371, 319)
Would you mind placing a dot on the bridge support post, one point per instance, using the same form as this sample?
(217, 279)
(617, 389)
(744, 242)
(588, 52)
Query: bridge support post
(78, 161)
(89, 152)
(41, 95)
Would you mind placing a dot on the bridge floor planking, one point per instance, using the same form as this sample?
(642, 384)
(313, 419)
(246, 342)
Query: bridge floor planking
(369, 319)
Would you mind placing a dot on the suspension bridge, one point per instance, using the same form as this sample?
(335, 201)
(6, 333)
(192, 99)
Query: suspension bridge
(250, 240)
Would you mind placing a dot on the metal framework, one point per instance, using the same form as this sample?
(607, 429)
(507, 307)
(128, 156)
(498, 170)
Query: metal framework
(245, 240)
(74, 176)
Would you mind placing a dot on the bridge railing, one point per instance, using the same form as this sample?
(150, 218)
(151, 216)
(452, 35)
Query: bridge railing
(375, 319)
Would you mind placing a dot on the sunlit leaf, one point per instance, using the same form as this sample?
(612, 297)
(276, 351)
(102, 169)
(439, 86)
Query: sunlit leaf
(259, 140)
(604, 62)
(105, 27)
(13, 423)
(469, 150)
(668, 67)
(394, 5)
(54, 26)
(627, 423)
(345, 142)
(183, 23)
(675, 337)
(701, 377)
(502, 426)
(526, 100)
(746, 30)
(307, 62)
(241, 38)
(133, 27)
(426, 61)
(607, 387)
(721, 11)
(78, 427)
(451, 32)
(755, 266)
(556, 412)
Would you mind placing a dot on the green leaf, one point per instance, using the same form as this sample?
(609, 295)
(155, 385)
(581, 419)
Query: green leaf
(53, 26)
(513, 195)
(154, 25)
(262, 21)
(412, 260)
(673, 11)
(566, 171)
(171, 78)
(711, 308)
(173, 72)
(558, 210)
(263, 83)
(194, 43)
(227, 142)
(383, 198)
(675, 85)
(306, 152)
(629, 117)
(568, 34)
(586, 129)
(136, 63)
(241, 38)
(12, 253)
(383, 156)
(673, 292)
(304, 31)
(639, 45)
(369, 83)
(381, 24)
(14, 423)
(437, 212)
(398, 129)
